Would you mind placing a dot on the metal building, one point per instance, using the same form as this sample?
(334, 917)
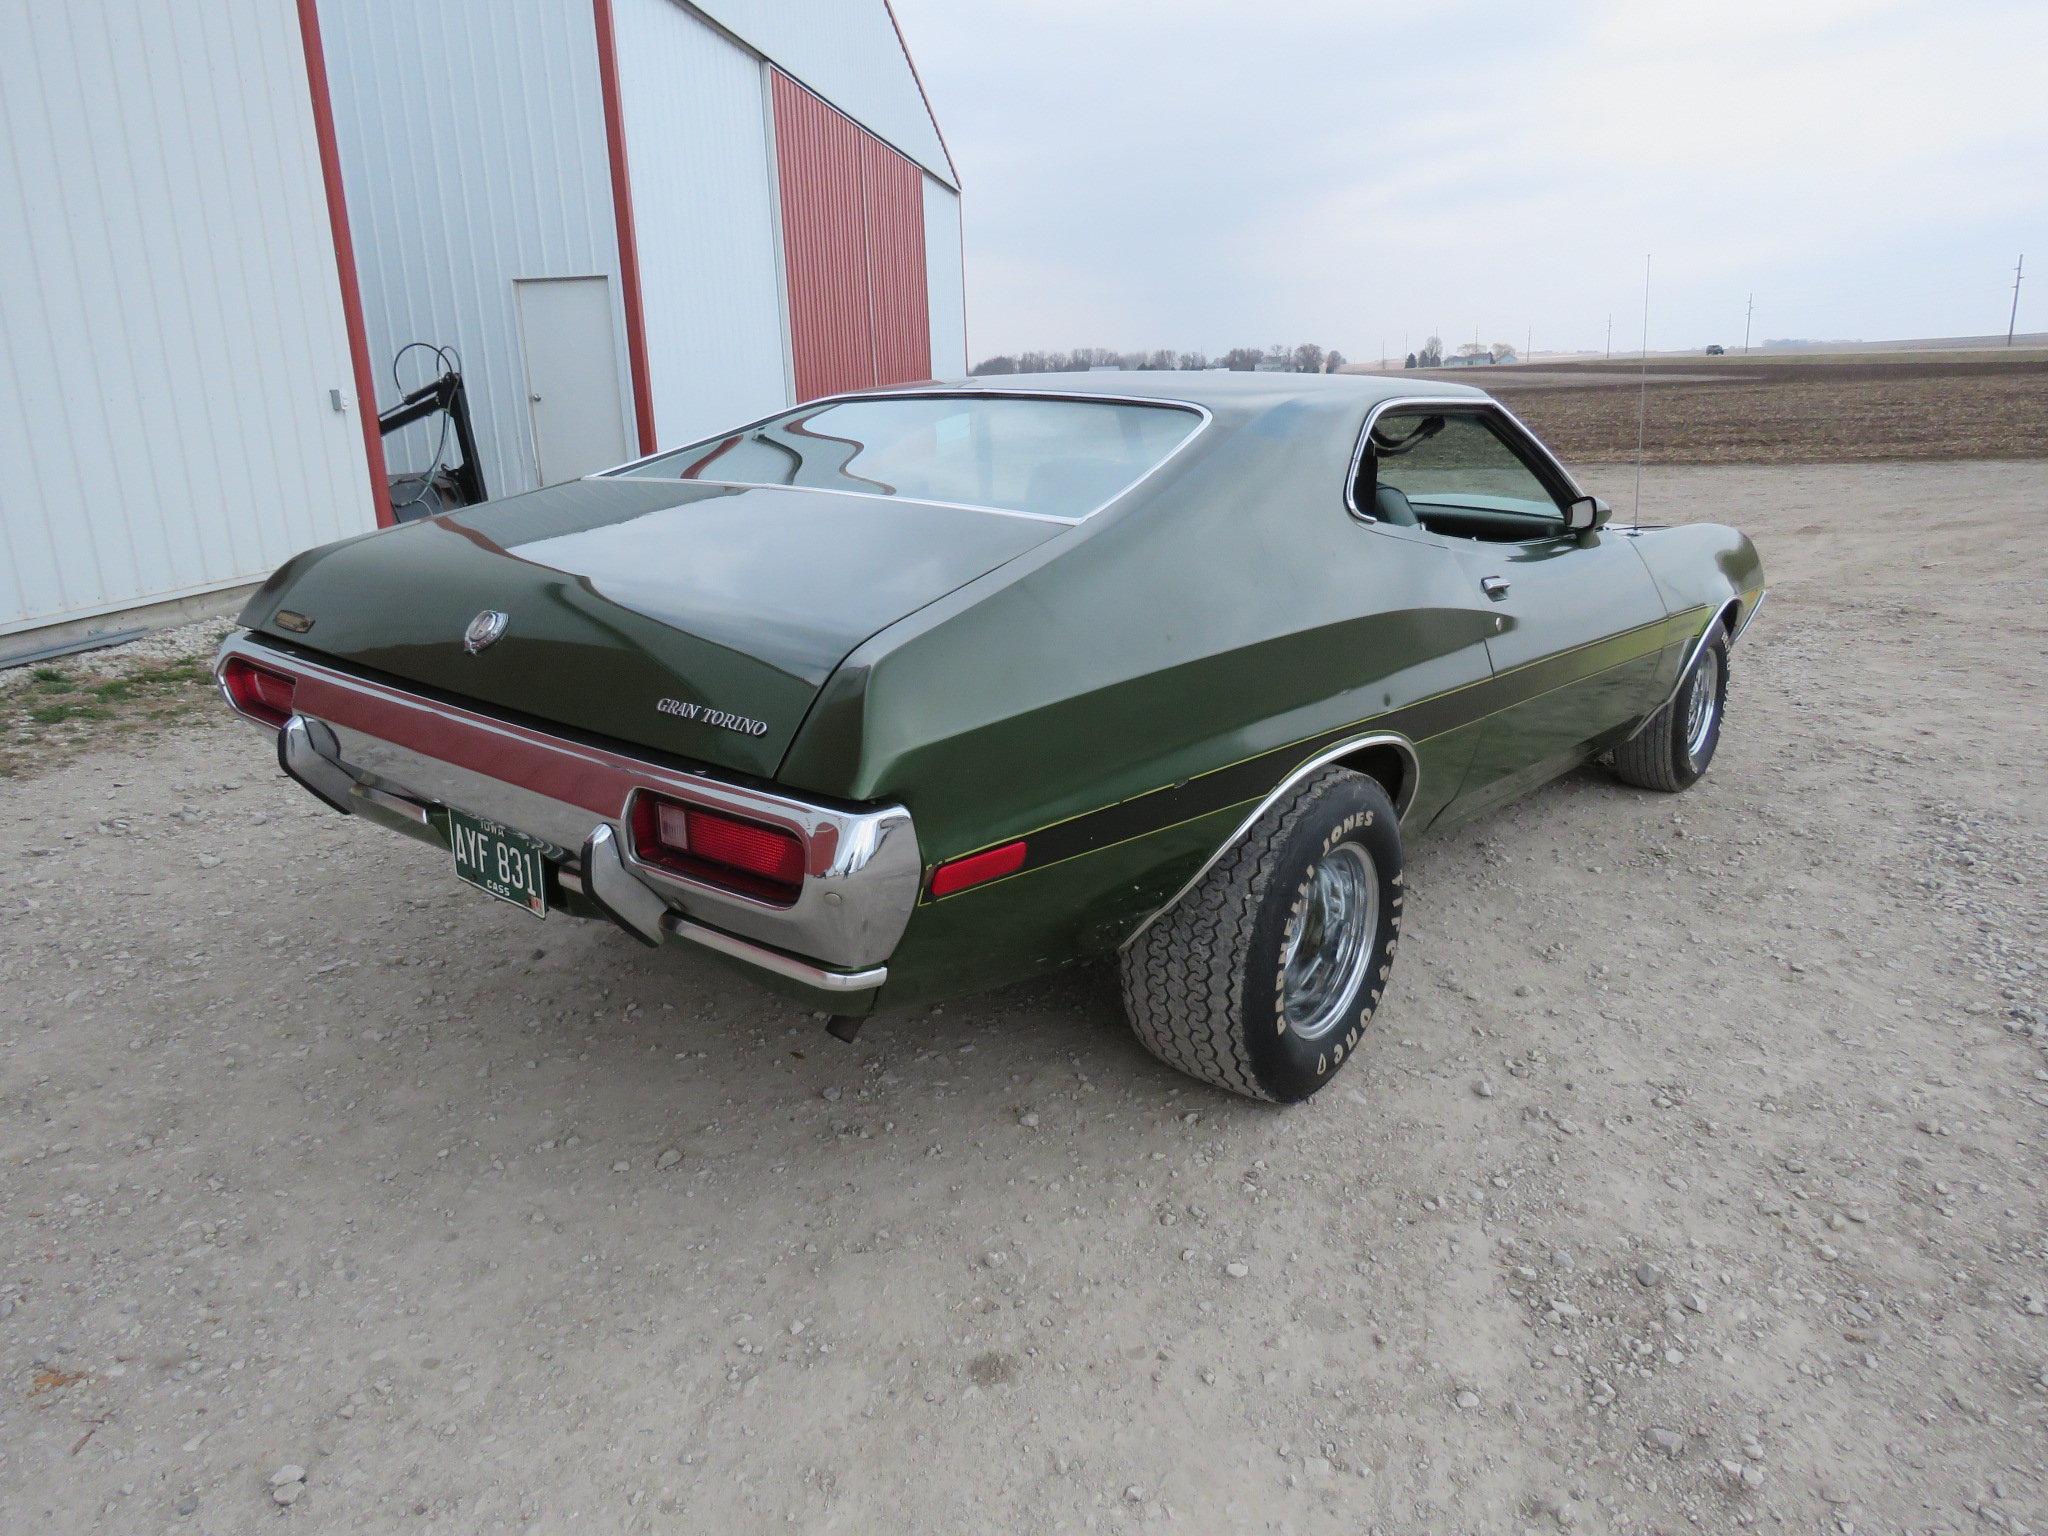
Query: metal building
(636, 221)
(179, 408)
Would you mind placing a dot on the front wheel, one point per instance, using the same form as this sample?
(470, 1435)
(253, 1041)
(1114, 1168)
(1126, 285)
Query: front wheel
(1673, 749)
(1261, 980)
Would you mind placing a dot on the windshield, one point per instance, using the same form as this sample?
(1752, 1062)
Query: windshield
(1043, 457)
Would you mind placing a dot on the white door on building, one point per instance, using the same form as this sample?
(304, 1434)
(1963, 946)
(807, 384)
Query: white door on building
(572, 375)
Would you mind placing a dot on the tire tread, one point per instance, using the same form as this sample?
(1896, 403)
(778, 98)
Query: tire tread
(1183, 980)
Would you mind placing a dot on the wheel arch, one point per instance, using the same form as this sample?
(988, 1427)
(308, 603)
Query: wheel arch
(1386, 757)
(1391, 760)
(1729, 620)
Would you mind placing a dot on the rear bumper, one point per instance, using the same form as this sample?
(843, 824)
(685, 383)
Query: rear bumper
(360, 745)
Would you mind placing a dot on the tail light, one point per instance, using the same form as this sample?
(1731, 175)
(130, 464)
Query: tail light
(261, 693)
(977, 869)
(750, 857)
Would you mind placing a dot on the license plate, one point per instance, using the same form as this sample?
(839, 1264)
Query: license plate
(497, 859)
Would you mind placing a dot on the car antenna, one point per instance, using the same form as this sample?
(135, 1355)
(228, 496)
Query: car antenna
(1642, 399)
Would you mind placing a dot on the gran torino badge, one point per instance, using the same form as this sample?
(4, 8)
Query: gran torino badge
(703, 714)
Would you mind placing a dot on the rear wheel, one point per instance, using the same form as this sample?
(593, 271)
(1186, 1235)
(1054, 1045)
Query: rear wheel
(1673, 749)
(1262, 978)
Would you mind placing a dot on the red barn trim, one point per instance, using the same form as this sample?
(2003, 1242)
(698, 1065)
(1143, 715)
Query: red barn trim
(853, 249)
(893, 201)
(344, 259)
(622, 211)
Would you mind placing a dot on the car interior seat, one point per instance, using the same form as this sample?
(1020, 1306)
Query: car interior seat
(1390, 505)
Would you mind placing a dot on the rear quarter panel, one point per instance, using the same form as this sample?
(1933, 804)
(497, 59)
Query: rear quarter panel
(1103, 695)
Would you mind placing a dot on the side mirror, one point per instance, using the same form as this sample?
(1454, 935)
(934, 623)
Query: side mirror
(1586, 514)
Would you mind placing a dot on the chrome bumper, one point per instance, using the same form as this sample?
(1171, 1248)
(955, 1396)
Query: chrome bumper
(353, 742)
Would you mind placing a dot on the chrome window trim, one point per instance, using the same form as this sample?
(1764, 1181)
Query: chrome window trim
(1565, 476)
(916, 501)
(1203, 414)
(1472, 404)
(863, 866)
(1279, 792)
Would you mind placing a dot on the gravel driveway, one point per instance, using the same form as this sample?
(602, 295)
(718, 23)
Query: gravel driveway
(1693, 1179)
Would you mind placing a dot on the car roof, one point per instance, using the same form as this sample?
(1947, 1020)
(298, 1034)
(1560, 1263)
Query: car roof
(1220, 391)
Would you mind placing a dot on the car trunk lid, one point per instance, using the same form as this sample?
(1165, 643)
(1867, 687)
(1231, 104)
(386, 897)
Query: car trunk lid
(695, 619)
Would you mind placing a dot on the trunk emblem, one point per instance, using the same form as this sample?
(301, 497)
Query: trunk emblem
(485, 629)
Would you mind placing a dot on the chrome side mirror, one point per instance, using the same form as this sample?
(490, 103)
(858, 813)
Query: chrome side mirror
(1586, 514)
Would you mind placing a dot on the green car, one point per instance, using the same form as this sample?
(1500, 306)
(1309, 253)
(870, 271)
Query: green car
(902, 695)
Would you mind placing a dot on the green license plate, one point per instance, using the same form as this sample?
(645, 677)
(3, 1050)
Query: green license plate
(497, 859)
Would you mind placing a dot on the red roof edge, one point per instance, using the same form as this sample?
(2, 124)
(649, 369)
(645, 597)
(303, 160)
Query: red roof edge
(629, 239)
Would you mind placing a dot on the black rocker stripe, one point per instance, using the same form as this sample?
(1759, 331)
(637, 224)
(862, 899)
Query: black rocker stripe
(1251, 779)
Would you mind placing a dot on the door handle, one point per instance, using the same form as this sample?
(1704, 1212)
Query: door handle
(1495, 587)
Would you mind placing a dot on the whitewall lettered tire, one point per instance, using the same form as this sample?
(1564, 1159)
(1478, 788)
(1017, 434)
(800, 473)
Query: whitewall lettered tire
(1263, 977)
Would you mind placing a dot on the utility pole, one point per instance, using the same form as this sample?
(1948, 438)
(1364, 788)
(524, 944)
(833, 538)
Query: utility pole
(1529, 344)
(1610, 338)
(2014, 320)
(1745, 324)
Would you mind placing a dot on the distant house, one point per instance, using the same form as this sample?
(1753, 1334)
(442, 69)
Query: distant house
(1274, 365)
(1471, 360)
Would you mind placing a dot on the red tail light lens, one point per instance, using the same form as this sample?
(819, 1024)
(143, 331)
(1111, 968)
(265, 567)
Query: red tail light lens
(977, 869)
(261, 693)
(750, 857)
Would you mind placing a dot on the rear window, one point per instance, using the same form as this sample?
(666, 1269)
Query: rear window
(1049, 458)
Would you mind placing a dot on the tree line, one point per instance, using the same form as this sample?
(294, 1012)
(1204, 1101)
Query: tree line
(1305, 358)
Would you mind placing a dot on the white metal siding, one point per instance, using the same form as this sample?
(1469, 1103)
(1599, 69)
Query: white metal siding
(697, 151)
(473, 153)
(846, 51)
(170, 312)
(944, 280)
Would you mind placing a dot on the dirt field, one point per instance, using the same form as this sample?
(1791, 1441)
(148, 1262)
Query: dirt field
(1694, 1180)
(1794, 409)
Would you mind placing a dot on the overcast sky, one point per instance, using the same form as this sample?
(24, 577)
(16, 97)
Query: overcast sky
(1212, 173)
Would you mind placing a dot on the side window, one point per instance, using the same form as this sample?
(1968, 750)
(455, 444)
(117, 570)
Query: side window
(1453, 472)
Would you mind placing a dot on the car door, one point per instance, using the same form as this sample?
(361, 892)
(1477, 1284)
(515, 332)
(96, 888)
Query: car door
(1577, 619)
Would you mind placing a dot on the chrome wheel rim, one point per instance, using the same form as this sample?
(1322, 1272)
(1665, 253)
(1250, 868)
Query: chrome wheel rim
(1329, 942)
(1702, 703)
